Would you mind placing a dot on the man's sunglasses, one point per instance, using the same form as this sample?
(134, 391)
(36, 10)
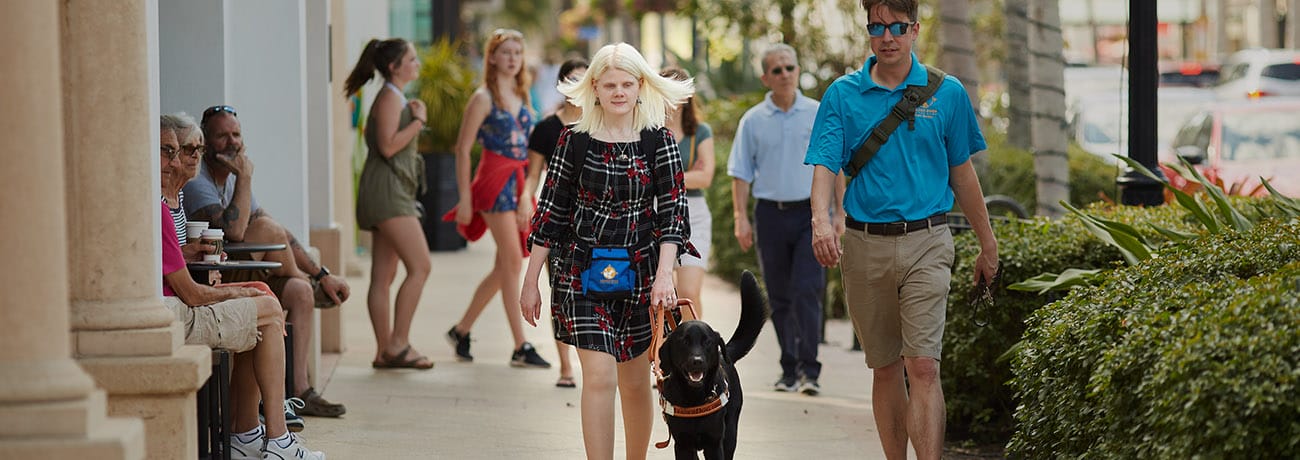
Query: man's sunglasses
(215, 110)
(896, 29)
(778, 69)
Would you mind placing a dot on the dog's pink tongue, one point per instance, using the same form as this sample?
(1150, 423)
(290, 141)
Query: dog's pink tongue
(696, 376)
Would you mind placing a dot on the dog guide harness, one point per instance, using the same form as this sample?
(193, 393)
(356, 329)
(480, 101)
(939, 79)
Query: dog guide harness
(661, 319)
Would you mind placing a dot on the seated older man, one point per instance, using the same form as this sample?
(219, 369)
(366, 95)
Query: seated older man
(222, 196)
(235, 317)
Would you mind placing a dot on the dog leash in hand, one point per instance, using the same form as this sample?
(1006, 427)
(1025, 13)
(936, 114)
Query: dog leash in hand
(981, 297)
(661, 318)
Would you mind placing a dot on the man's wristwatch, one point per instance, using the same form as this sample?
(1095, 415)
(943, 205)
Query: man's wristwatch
(320, 274)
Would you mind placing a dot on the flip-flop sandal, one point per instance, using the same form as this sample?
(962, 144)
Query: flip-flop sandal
(401, 361)
(566, 382)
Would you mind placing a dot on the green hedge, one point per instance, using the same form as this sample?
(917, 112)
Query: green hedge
(1192, 354)
(980, 404)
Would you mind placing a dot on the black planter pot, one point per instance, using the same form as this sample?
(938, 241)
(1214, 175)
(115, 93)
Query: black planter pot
(439, 197)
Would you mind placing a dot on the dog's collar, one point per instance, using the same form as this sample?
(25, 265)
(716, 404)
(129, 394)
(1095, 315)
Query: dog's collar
(716, 402)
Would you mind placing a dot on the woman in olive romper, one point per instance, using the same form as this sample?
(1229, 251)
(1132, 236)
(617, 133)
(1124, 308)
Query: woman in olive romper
(386, 198)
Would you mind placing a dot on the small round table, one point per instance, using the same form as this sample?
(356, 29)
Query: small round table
(235, 247)
(233, 265)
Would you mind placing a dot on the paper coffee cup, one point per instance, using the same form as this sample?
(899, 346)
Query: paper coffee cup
(194, 230)
(214, 237)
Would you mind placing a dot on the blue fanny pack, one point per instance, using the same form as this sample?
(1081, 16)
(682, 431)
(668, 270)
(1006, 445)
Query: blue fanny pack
(609, 275)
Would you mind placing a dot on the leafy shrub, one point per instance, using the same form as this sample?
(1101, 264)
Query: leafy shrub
(979, 402)
(1192, 354)
(446, 83)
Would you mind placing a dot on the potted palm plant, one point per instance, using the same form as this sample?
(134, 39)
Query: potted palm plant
(445, 85)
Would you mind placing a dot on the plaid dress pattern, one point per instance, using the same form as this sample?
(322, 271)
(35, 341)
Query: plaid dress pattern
(615, 195)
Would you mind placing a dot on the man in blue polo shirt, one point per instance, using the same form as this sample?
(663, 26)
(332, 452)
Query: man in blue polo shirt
(897, 254)
(768, 153)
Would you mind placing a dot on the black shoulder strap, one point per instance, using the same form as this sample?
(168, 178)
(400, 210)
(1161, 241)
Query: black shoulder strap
(648, 141)
(578, 143)
(905, 109)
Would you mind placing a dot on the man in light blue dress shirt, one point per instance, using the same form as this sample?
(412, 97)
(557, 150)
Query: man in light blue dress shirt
(767, 157)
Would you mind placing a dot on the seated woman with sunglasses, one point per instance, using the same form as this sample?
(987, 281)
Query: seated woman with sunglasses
(190, 138)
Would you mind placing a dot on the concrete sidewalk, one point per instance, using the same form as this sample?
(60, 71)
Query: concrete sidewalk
(488, 410)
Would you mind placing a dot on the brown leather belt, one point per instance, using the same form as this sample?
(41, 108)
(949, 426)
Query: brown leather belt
(784, 205)
(897, 228)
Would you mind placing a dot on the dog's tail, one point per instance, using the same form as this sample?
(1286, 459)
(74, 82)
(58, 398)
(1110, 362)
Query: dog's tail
(753, 313)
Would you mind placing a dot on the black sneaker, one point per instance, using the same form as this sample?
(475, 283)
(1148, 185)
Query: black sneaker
(461, 342)
(786, 384)
(526, 356)
(810, 387)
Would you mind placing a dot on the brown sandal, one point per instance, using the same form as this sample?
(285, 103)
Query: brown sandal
(402, 361)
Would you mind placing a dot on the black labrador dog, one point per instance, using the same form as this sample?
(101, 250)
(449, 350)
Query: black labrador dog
(699, 368)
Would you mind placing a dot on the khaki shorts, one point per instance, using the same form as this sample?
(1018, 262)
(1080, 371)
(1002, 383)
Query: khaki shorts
(229, 324)
(896, 288)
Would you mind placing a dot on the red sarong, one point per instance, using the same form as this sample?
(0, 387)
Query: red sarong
(494, 170)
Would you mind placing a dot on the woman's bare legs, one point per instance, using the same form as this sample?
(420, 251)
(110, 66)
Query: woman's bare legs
(258, 375)
(638, 407)
(383, 269)
(566, 366)
(406, 238)
(690, 283)
(504, 276)
(599, 381)
(601, 375)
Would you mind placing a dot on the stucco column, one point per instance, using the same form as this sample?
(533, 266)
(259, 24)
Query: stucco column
(123, 335)
(339, 249)
(49, 407)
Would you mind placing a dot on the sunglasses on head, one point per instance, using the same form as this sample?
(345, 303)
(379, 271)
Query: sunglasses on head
(779, 69)
(896, 29)
(510, 33)
(211, 111)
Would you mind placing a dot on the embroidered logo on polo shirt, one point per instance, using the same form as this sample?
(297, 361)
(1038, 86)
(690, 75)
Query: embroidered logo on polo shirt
(925, 111)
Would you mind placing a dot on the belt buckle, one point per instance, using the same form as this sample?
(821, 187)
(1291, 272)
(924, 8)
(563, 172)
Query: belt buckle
(902, 228)
(780, 205)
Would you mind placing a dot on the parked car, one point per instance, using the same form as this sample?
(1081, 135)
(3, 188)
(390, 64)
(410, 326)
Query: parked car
(1240, 141)
(1256, 73)
(1100, 126)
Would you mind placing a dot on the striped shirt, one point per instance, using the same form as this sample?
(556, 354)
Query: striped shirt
(178, 216)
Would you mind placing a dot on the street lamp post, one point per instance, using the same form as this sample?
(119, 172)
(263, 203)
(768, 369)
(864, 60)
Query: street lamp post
(1134, 187)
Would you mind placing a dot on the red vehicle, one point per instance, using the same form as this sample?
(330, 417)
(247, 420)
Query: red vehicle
(1239, 142)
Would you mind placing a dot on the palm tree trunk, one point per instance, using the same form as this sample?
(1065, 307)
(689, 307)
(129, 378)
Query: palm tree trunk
(1017, 68)
(958, 55)
(1048, 125)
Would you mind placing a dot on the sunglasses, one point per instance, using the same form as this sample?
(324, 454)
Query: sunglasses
(778, 69)
(896, 29)
(211, 111)
(507, 33)
(192, 151)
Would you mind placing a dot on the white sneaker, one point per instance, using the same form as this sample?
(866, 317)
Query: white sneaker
(294, 451)
(246, 451)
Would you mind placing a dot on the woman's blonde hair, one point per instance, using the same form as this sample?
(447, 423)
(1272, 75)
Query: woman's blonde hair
(522, 81)
(656, 95)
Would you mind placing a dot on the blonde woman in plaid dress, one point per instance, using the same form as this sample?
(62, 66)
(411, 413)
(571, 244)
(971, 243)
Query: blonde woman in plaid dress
(612, 194)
